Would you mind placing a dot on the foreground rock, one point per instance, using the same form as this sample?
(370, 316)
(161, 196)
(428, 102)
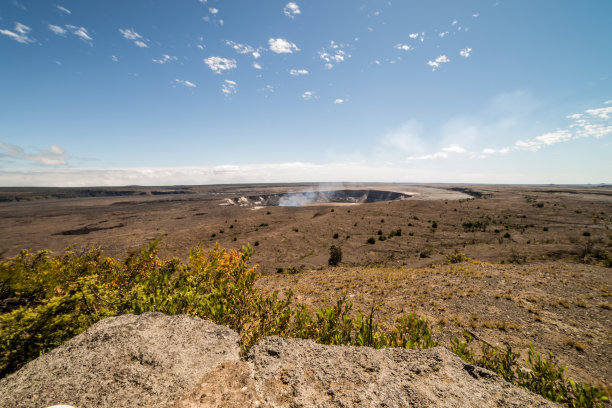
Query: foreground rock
(155, 360)
(148, 360)
(292, 372)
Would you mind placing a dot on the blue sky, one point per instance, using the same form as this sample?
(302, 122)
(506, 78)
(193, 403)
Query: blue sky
(159, 92)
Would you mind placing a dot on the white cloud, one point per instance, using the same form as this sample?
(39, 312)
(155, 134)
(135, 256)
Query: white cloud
(442, 59)
(165, 58)
(224, 174)
(228, 87)
(282, 46)
(333, 53)
(602, 113)
(413, 35)
(297, 72)
(64, 10)
(130, 34)
(442, 34)
(256, 54)
(240, 48)
(57, 29)
(256, 65)
(188, 84)
(308, 95)
(291, 9)
(454, 22)
(213, 10)
(53, 157)
(114, 58)
(200, 47)
(475, 15)
(339, 101)
(20, 33)
(593, 123)
(404, 47)
(454, 148)
(438, 155)
(80, 32)
(220, 64)
(465, 52)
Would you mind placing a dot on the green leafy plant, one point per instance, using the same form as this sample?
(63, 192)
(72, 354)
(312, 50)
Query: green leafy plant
(541, 375)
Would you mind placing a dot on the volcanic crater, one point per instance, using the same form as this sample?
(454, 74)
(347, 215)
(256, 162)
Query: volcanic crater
(304, 198)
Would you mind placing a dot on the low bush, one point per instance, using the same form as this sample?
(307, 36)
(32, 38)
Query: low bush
(542, 376)
(335, 255)
(456, 257)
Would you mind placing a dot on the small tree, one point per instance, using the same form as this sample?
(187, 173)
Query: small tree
(335, 255)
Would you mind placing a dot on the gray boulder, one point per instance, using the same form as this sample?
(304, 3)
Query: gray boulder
(148, 360)
(302, 373)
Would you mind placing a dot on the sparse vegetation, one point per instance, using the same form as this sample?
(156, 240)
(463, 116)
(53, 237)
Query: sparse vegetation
(371, 240)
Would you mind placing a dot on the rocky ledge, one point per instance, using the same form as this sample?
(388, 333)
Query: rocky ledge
(154, 360)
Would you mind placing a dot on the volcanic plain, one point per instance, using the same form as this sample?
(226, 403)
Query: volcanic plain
(510, 264)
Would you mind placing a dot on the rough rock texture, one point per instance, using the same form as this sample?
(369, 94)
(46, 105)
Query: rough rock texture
(148, 360)
(301, 373)
(155, 360)
(230, 385)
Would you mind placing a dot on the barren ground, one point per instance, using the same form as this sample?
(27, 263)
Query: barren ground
(537, 252)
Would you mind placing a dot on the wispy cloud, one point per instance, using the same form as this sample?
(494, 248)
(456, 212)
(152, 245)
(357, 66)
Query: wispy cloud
(404, 47)
(80, 32)
(213, 10)
(339, 101)
(19, 33)
(466, 52)
(291, 9)
(454, 148)
(437, 155)
(188, 84)
(256, 65)
(298, 72)
(54, 156)
(308, 95)
(64, 10)
(240, 48)
(57, 30)
(220, 64)
(282, 46)
(114, 58)
(130, 34)
(165, 58)
(435, 64)
(228, 88)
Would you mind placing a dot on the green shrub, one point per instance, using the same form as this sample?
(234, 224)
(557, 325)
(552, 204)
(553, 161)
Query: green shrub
(456, 257)
(426, 253)
(395, 233)
(542, 376)
(58, 297)
(335, 255)
(371, 240)
(473, 226)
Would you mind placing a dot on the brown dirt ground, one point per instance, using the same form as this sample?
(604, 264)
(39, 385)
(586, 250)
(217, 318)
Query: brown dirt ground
(558, 297)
